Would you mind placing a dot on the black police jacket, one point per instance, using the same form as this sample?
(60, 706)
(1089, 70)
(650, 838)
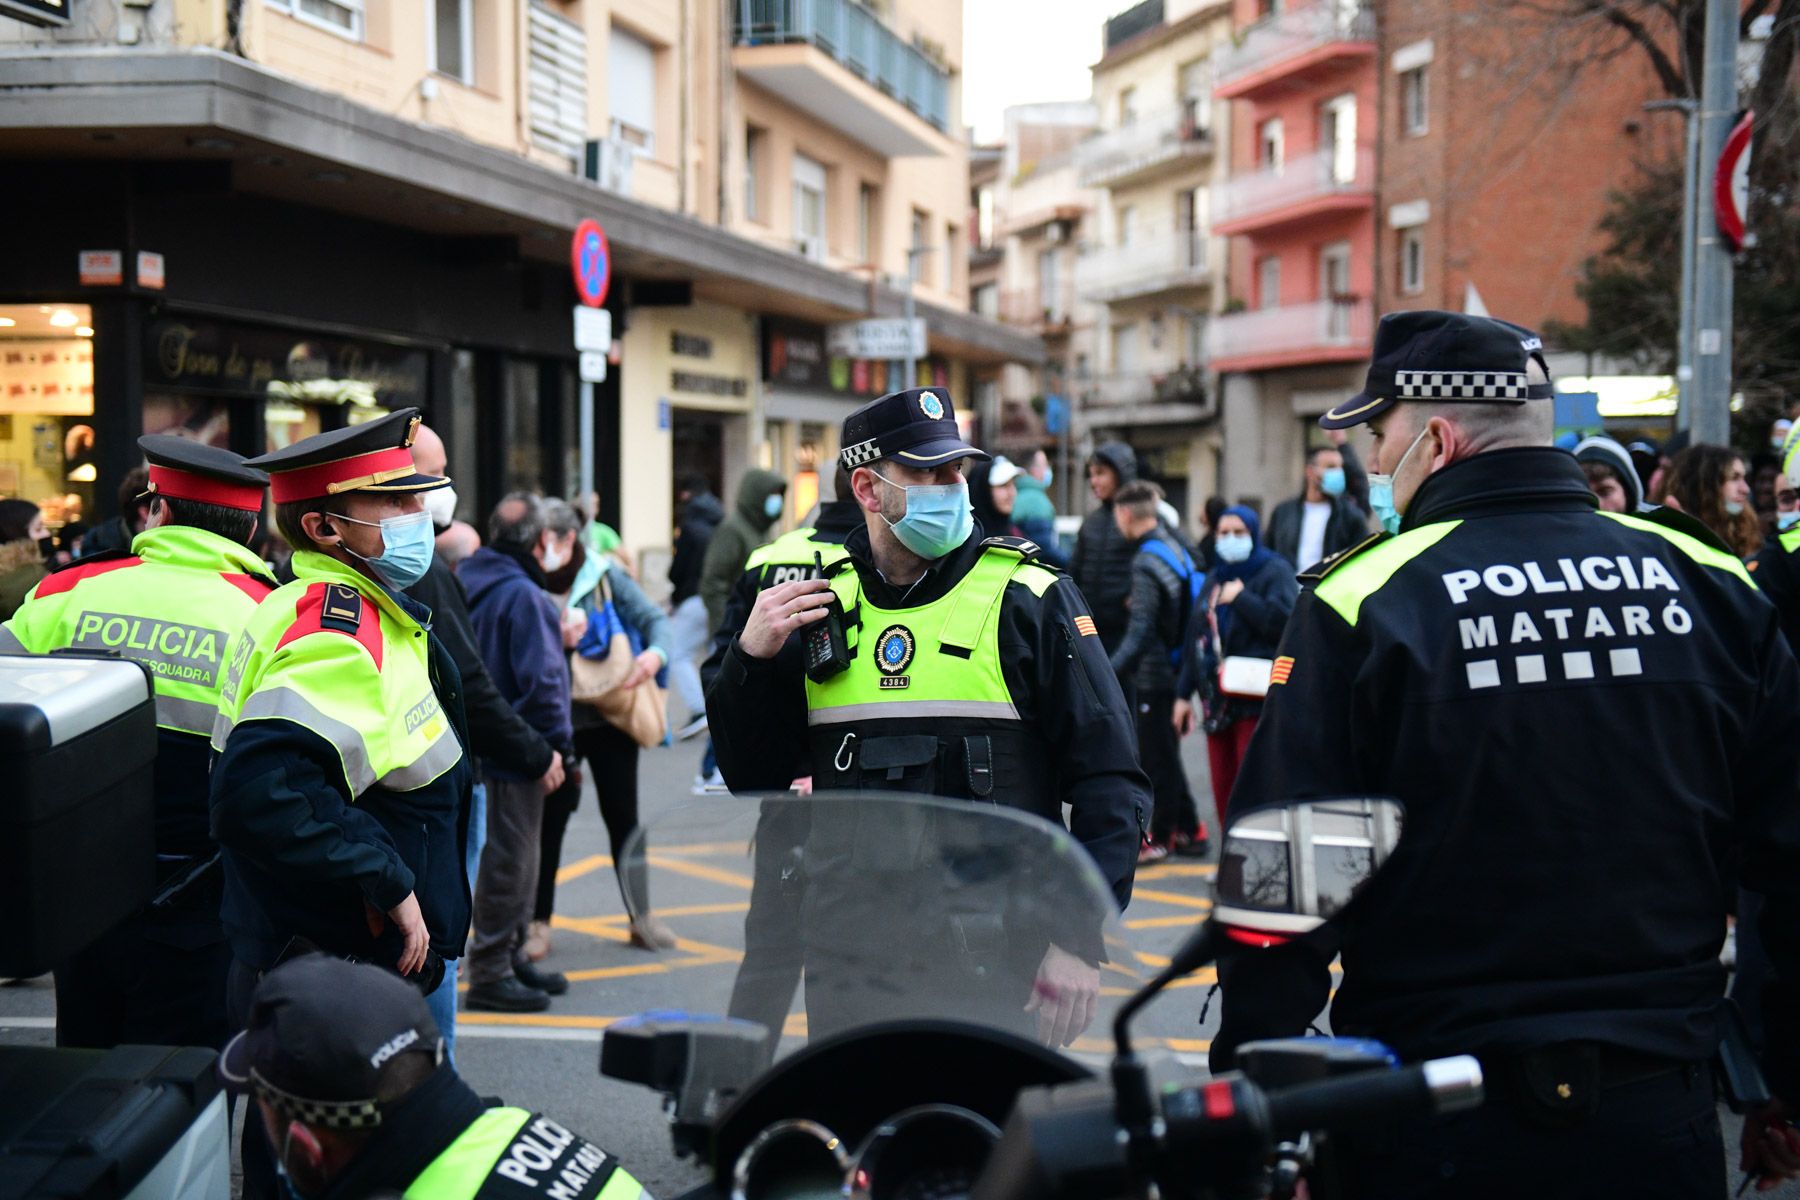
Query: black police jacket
(1588, 717)
(1059, 679)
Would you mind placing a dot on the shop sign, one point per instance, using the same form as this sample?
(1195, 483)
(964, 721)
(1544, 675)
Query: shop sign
(796, 357)
(252, 360)
(102, 268)
(880, 337)
(150, 270)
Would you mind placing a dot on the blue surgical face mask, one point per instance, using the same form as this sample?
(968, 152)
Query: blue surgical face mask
(938, 518)
(1787, 520)
(407, 543)
(1331, 482)
(772, 506)
(1734, 508)
(1049, 476)
(1381, 489)
(1234, 547)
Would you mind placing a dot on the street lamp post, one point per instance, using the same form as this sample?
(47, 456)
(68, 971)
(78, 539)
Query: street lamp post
(1711, 332)
(1684, 355)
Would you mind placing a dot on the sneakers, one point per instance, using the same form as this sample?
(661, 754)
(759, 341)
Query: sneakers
(649, 933)
(693, 728)
(551, 983)
(537, 941)
(710, 785)
(1152, 851)
(1190, 843)
(508, 995)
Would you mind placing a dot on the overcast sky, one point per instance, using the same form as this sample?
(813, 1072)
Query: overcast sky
(1024, 51)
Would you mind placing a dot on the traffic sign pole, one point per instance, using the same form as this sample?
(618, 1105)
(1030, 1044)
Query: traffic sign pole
(1713, 259)
(590, 259)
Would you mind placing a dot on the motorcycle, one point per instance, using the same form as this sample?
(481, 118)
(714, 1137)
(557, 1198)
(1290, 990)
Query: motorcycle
(962, 965)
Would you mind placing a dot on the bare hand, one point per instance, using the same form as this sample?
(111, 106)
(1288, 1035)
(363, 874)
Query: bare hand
(1230, 590)
(553, 778)
(574, 627)
(1184, 718)
(1771, 1146)
(779, 611)
(645, 666)
(1065, 997)
(411, 923)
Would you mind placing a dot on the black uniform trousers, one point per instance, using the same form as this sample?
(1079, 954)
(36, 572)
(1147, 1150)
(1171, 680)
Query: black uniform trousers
(1652, 1139)
(1159, 752)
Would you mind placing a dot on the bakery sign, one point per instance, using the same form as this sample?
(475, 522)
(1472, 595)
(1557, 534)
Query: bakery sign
(250, 360)
(37, 12)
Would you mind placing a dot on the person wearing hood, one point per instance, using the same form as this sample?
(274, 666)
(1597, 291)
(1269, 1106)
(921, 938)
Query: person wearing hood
(22, 541)
(1101, 564)
(698, 515)
(1033, 511)
(519, 630)
(1610, 475)
(759, 502)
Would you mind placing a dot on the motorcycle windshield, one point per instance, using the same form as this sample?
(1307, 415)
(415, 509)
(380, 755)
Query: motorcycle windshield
(816, 915)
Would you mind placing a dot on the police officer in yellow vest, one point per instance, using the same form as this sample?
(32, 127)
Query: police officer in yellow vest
(350, 1076)
(174, 601)
(973, 672)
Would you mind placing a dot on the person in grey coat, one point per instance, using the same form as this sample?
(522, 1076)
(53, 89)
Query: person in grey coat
(1101, 565)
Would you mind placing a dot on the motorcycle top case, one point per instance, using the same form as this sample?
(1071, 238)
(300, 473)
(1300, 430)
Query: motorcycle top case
(77, 820)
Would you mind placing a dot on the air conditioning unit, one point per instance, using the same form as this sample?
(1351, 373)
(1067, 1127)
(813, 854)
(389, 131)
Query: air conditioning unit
(1056, 233)
(609, 162)
(811, 247)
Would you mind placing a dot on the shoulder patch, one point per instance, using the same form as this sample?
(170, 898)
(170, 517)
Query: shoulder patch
(335, 608)
(1324, 567)
(86, 568)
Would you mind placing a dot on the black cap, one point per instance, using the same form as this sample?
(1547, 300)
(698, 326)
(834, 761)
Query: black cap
(916, 428)
(322, 1034)
(183, 469)
(1445, 357)
(375, 456)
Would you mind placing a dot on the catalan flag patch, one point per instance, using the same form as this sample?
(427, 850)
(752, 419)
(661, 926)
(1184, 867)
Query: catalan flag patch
(1280, 670)
(1084, 625)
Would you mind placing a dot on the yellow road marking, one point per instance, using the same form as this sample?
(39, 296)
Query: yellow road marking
(546, 1020)
(700, 871)
(576, 870)
(1138, 893)
(1169, 870)
(1161, 922)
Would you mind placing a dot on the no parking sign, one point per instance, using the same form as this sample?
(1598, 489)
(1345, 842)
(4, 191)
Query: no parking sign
(591, 259)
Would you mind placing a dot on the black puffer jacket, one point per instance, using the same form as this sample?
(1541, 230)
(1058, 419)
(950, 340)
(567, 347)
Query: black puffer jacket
(1101, 566)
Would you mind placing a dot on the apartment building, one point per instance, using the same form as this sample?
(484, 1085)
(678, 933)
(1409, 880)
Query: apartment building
(300, 211)
(1151, 262)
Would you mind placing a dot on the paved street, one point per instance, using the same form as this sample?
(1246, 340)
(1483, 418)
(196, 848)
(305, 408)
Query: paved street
(549, 1062)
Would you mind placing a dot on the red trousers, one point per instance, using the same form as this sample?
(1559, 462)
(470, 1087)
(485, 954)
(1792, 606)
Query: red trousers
(1225, 754)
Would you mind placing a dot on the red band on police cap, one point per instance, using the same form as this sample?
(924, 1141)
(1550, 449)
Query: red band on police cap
(185, 485)
(360, 470)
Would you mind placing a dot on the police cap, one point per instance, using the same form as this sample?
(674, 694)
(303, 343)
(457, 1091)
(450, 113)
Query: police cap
(375, 456)
(916, 428)
(321, 1036)
(1445, 357)
(183, 469)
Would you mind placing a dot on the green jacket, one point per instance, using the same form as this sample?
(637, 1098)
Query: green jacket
(1033, 503)
(737, 535)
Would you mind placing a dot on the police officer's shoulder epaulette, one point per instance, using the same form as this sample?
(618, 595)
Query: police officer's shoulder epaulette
(86, 567)
(1025, 548)
(341, 608)
(1680, 522)
(336, 608)
(1326, 566)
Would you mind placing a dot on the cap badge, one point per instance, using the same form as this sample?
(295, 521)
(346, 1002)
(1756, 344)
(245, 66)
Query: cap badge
(894, 649)
(931, 406)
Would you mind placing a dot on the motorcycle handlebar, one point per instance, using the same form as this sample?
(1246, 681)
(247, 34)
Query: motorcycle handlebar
(1442, 1085)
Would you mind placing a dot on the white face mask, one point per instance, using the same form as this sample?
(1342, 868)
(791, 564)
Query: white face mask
(554, 557)
(441, 504)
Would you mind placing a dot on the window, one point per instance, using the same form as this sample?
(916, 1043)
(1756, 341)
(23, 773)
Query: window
(1196, 98)
(1412, 261)
(865, 222)
(1127, 107)
(339, 16)
(985, 300)
(1049, 296)
(809, 207)
(952, 248)
(1268, 8)
(1194, 352)
(452, 39)
(919, 247)
(756, 142)
(1270, 145)
(1127, 224)
(631, 89)
(1125, 348)
(1415, 101)
(1268, 283)
(1337, 133)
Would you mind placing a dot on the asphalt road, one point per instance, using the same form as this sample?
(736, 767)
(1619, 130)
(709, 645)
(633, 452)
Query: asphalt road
(549, 1062)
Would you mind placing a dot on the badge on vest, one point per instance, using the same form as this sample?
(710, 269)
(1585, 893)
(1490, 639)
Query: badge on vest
(893, 654)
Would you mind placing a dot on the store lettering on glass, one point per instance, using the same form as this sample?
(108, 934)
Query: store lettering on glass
(181, 361)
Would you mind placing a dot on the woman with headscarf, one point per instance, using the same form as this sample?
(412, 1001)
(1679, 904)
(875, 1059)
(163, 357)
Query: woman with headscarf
(1250, 592)
(24, 543)
(993, 489)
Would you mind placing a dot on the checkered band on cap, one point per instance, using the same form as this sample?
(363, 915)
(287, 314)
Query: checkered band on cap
(860, 454)
(324, 1114)
(1462, 385)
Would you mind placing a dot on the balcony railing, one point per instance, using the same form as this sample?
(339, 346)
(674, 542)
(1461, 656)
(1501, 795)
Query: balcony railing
(1290, 35)
(1152, 141)
(1322, 325)
(1169, 385)
(1044, 311)
(1144, 267)
(1309, 177)
(855, 38)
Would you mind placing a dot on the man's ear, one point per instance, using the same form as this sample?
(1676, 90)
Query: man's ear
(319, 528)
(866, 488)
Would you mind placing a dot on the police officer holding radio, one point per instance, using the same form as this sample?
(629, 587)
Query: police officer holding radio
(175, 600)
(1588, 716)
(939, 662)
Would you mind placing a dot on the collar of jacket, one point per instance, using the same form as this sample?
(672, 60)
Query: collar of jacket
(310, 565)
(1523, 479)
(939, 578)
(839, 516)
(186, 546)
(412, 1135)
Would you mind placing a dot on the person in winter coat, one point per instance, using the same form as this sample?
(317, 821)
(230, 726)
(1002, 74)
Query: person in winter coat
(1611, 475)
(759, 500)
(1325, 518)
(1101, 565)
(22, 537)
(1033, 511)
(993, 492)
(698, 516)
(1249, 595)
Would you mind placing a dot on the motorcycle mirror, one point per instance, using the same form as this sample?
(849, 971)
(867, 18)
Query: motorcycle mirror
(1287, 869)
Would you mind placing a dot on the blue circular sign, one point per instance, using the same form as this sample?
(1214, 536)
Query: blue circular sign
(591, 259)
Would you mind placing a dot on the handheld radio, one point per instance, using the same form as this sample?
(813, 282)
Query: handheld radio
(826, 643)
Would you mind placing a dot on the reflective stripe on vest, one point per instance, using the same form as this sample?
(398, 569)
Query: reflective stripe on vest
(510, 1154)
(177, 607)
(382, 716)
(789, 558)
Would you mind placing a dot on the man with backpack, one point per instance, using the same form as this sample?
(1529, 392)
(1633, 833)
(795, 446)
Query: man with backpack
(1165, 586)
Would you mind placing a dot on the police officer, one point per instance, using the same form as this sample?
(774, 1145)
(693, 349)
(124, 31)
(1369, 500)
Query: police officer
(972, 672)
(359, 1098)
(174, 601)
(1586, 715)
(1778, 566)
(341, 794)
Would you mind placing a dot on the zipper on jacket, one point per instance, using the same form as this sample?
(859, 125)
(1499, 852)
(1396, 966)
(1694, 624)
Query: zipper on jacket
(1087, 685)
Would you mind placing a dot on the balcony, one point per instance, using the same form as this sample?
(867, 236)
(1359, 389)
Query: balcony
(1304, 187)
(1146, 267)
(1171, 395)
(1153, 144)
(1291, 335)
(836, 61)
(1047, 312)
(1293, 47)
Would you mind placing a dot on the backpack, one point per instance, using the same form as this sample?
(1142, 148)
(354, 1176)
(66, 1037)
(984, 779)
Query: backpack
(1177, 560)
